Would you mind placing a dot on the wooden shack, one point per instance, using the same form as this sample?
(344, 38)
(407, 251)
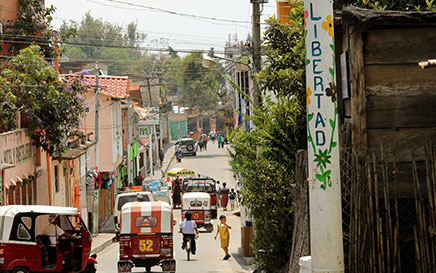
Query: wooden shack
(389, 103)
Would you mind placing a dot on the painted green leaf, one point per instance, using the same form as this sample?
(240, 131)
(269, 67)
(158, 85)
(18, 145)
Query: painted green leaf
(332, 123)
(307, 61)
(309, 117)
(305, 33)
(323, 186)
(334, 144)
(327, 173)
(320, 177)
(332, 72)
(332, 46)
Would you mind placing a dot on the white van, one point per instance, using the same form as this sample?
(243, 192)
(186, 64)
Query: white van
(126, 197)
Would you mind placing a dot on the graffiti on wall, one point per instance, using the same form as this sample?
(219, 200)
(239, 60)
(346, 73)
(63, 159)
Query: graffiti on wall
(322, 110)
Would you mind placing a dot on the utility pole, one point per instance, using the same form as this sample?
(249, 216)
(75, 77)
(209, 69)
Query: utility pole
(97, 105)
(96, 197)
(129, 164)
(256, 51)
(150, 151)
(324, 170)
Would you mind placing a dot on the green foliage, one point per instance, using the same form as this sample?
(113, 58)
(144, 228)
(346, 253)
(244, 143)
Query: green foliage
(420, 5)
(198, 86)
(109, 42)
(32, 26)
(265, 156)
(51, 108)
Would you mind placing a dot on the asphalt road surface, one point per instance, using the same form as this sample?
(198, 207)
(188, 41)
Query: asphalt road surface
(215, 163)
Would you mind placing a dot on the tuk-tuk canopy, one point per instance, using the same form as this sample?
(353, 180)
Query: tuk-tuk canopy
(8, 213)
(180, 172)
(146, 217)
(196, 200)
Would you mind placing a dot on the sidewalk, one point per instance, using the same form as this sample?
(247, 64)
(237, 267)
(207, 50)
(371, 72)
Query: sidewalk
(107, 232)
(101, 241)
(160, 172)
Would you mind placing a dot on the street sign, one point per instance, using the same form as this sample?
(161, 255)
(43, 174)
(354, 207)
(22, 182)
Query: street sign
(143, 131)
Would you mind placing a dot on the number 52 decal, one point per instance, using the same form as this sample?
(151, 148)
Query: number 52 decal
(146, 245)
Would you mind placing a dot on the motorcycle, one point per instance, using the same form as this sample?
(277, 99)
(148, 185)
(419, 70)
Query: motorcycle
(91, 264)
(178, 156)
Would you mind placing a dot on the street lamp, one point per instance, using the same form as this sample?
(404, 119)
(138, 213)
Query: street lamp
(209, 63)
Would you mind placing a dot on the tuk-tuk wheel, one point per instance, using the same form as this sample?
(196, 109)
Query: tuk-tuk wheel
(20, 270)
(148, 269)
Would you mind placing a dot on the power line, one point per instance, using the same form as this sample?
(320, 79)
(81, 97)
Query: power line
(173, 12)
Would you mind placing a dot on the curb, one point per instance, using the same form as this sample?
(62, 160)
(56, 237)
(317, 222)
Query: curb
(104, 245)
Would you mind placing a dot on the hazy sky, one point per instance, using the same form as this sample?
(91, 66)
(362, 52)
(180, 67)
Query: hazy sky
(181, 31)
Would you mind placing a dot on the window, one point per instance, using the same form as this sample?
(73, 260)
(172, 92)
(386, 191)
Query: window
(27, 222)
(23, 234)
(130, 198)
(199, 187)
(56, 177)
(146, 221)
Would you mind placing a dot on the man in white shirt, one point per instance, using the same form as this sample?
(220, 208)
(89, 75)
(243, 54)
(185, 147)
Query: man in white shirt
(189, 229)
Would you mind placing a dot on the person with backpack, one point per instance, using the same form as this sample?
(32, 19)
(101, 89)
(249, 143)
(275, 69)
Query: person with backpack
(232, 198)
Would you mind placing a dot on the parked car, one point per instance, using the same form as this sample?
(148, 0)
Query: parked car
(129, 195)
(202, 184)
(187, 146)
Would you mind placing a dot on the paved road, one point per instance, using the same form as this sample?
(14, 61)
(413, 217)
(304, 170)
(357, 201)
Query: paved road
(213, 162)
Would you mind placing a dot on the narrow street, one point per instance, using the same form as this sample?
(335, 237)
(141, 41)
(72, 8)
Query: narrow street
(214, 163)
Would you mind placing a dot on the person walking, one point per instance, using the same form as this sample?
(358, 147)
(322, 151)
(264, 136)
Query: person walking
(177, 190)
(232, 198)
(200, 143)
(223, 231)
(219, 138)
(224, 196)
(205, 142)
(218, 191)
(161, 156)
(238, 190)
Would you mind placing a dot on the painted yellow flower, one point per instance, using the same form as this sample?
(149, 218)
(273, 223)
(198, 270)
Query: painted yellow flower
(328, 25)
(308, 94)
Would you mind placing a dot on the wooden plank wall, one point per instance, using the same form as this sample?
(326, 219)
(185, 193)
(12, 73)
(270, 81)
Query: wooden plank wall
(400, 96)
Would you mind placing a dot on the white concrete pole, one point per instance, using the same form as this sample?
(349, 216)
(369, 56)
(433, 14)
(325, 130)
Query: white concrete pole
(323, 149)
(150, 151)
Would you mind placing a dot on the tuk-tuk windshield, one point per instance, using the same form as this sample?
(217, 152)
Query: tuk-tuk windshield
(131, 198)
(199, 187)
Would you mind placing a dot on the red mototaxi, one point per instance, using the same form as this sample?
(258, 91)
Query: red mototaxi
(21, 240)
(203, 184)
(198, 204)
(146, 236)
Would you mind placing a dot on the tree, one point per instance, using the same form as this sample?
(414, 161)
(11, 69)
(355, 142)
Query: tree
(265, 156)
(389, 4)
(96, 39)
(198, 86)
(32, 26)
(51, 108)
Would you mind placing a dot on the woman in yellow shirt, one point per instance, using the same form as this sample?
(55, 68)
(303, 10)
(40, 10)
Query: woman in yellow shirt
(223, 230)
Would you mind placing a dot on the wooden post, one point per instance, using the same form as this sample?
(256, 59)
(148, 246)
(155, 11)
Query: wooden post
(358, 96)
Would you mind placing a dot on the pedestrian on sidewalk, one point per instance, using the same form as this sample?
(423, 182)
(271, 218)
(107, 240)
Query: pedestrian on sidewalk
(219, 138)
(223, 231)
(218, 191)
(205, 141)
(224, 196)
(232, 197)
(161, 156)
(238, 191)
(200, 143)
